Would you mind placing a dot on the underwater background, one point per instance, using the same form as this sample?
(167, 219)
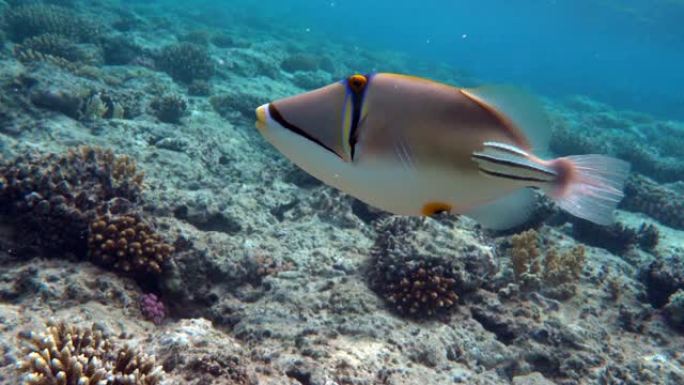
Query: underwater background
(150, 235)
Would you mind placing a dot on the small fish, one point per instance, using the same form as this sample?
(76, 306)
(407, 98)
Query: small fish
(411, 146)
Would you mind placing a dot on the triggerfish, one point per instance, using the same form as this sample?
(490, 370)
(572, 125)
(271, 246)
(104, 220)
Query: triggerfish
(412, 146)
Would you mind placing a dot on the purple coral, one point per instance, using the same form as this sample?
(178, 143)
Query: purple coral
(152, 308)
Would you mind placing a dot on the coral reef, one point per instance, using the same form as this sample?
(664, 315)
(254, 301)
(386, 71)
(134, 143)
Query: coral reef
(223, 40)
(127, 243)
(423, 278)
(169, 108)
(652, 147)
(186, 62)
(300, 62)
(674, 309)
(101, 104)
(616, 238)
(657, 201)
(152, 308)
(120, 51)
(58, 198)
(54, 196)
(556, 273)
(236, 104)
(198, 36)
(199, 88)
(54, 45)
(262, 274)
(662, 278)
(65, 354)
(31, 20)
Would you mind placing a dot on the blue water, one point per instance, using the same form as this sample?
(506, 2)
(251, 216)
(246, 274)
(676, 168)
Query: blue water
(629, 54)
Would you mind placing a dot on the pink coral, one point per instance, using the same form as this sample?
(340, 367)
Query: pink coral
(152, 308)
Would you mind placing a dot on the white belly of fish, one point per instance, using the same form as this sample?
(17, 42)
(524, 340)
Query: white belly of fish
(389, 184)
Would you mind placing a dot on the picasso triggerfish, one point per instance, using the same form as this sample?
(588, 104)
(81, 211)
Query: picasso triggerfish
(412, 146)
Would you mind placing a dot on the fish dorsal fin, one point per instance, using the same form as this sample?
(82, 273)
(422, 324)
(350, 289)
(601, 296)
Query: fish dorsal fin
(521, 108)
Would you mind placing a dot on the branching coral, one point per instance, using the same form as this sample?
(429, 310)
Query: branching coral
(420, 288)
(421, 277)
(53, 45)
(127, 243)
(557, 271)
(169, 108)
(36, 19)
(56, 199)
(186, 62)
(68, 355)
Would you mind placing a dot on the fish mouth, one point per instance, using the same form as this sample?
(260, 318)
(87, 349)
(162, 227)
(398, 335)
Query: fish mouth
(261, 117)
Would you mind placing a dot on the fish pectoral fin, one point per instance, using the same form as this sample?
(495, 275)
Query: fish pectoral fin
(523, 110)
(504, 213)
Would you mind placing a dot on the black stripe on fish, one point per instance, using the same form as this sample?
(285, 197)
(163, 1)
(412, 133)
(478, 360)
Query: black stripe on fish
(515, 177)
(357, 105)
(275, 114)
(505, 162)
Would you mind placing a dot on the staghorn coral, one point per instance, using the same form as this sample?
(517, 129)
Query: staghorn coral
(169, 108)
(555, 273)
(659, 202)
(68, 355)
(186, 62)
(127, 243)
(52, 198)
(31, 20)
(421, 267)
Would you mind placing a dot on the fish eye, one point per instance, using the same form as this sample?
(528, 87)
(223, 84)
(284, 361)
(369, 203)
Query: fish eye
(357, 83)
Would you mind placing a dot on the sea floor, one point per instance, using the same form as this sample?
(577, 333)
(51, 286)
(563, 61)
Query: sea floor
(278, 279)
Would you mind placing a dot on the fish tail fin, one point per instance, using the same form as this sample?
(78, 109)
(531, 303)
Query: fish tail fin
(589, 186)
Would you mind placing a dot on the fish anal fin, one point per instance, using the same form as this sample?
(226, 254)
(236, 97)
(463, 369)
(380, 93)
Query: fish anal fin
(507, 212)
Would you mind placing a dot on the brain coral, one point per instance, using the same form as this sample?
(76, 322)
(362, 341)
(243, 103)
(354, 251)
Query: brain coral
(422, 266)
(68, 355)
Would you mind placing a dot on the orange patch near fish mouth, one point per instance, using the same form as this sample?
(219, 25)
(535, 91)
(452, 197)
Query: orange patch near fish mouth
(432, 208)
